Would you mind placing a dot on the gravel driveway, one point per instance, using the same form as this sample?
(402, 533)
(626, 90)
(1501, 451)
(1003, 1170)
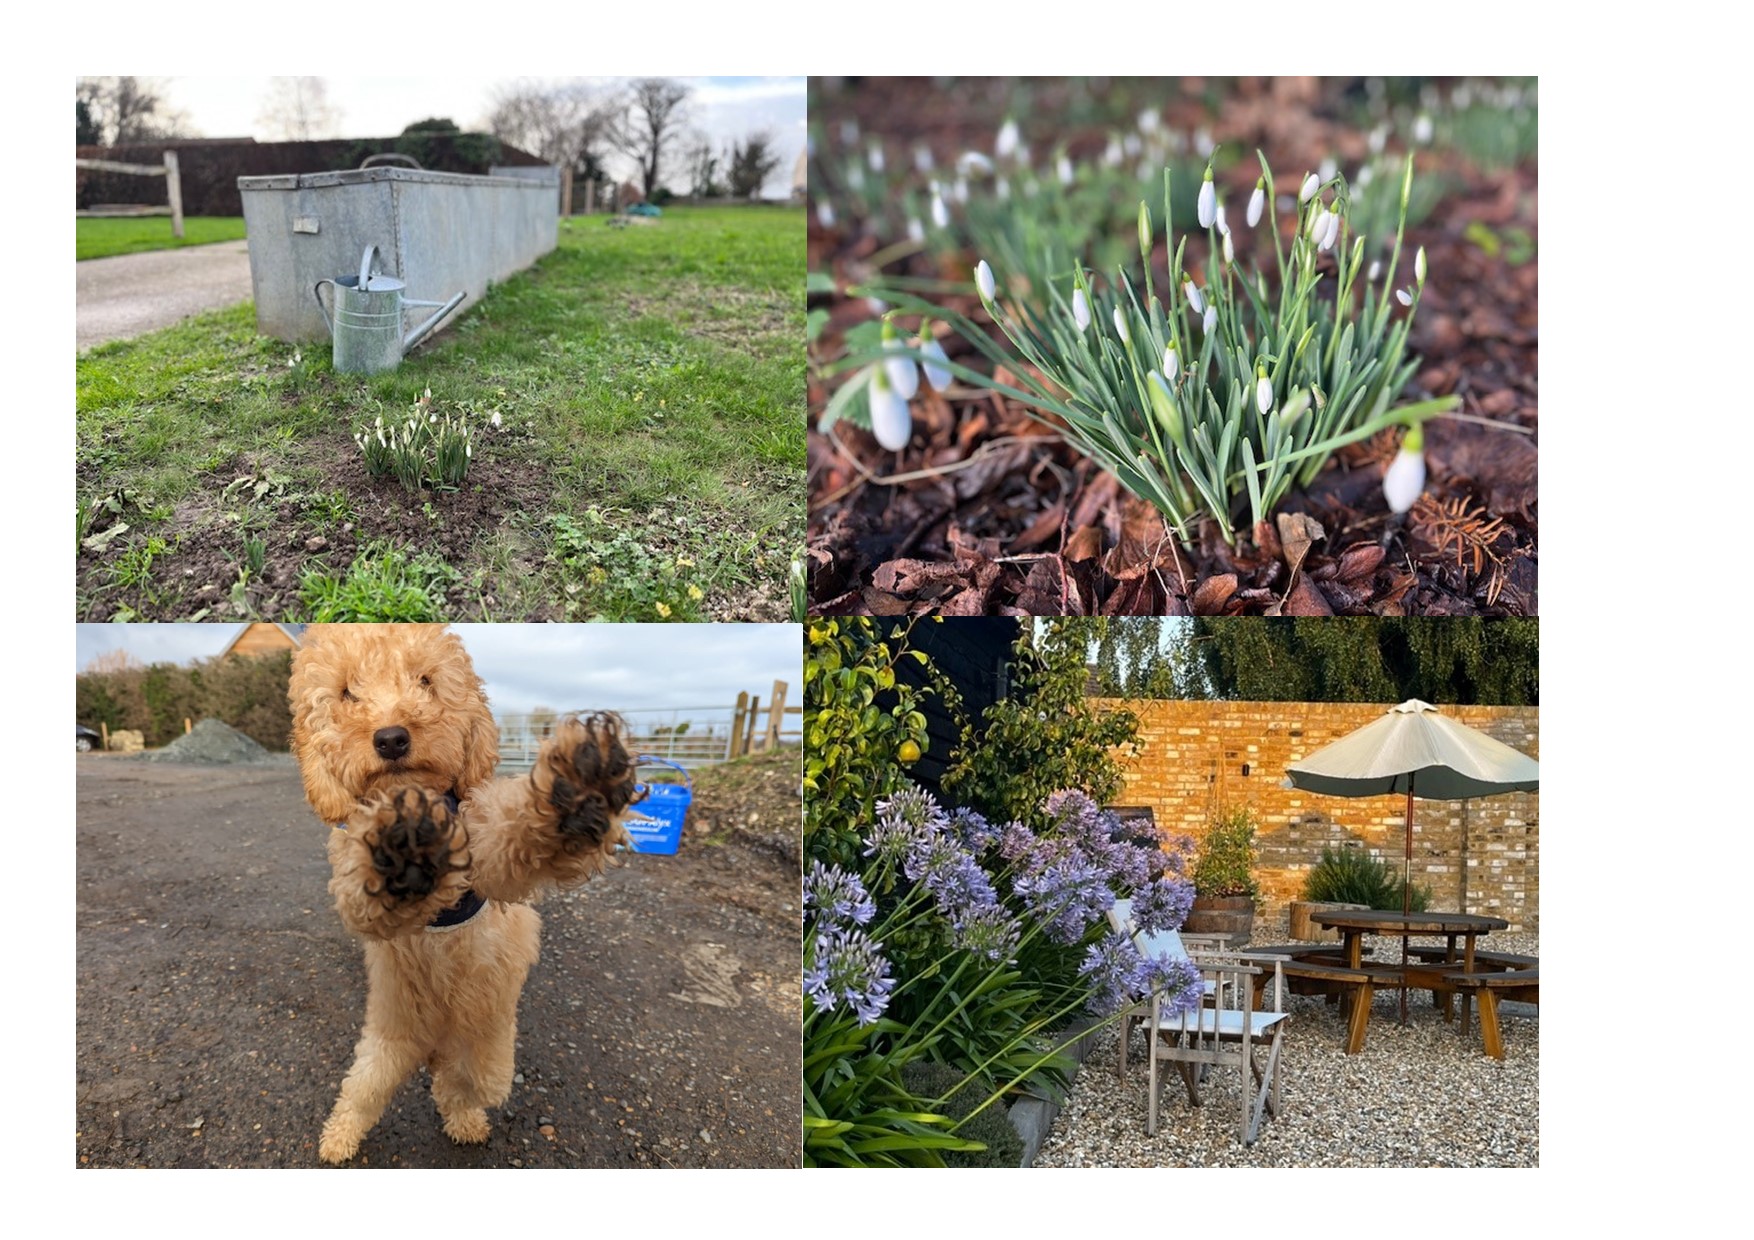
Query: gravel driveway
(128, 295)
(219, 998)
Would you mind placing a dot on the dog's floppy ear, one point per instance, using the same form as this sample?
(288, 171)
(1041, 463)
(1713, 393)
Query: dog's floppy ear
(328, 796)
(480, 751)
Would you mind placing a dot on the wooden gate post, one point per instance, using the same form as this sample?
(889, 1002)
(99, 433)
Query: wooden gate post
(776, 712)
(174, 183)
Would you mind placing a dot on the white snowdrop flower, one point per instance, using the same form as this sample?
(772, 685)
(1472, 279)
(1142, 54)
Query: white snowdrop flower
(1404, 297)
(1422, 129)
(1257, 202)
(877, 306)
(1263, 388)
(1112, 154)
(1203, 142)
(1365, 176)
(1229, 248)
(923, 158)
(1208, 204)
(983, 280)
(1191, 291)
(1404, 480)
(1009, 139)
(874, 157)
(1330, 228)
(973, 161)
(916, 231)
(1171, 363)
(1064, 168)
(1023, 152)
(1223, 224)
(1209, 320)
(936, 374)
(825, 214)
(903, 373)
(1131, 145)
(890, 420)
(1327, 169)
(1149, 121)
(495, 419)
(1379, 138)
(1311, 184)
(1080, 309)
(1121, 327)
(1419, 266)
(1317, 222)
(940, 213)
(469, 449)
(1375, 270)
(959, 190)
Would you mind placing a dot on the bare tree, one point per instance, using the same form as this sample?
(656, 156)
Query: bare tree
(656, 116)
(753, 160)
(129, 109)
(297, 109)
(566, 123)
(117, 660)
(703, 167)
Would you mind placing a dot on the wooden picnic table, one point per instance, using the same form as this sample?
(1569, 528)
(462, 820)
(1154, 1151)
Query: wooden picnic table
(1354, 924)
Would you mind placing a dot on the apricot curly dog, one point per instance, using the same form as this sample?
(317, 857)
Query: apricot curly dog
(433, 858)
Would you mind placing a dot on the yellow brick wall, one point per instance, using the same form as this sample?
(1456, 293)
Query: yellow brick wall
(1480, 856)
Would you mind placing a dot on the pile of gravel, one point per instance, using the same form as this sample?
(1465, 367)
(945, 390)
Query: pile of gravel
(1419, 1096)
(211, 743)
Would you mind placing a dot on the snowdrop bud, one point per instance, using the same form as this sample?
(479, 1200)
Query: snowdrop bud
(1330, 228)
(1006, 143)
(1203, 142)
(890, 420)
(874, 157)
(916, 231)
(1149, 121)
(1378, 139)
(1229, 248)
(1298, 402)
(877, 306)
(1317, 222)
(1209, 320)
(1375, 270)
(1311, 184)
(1065, 170)
(1257, 202)
(1419, 266)
(959, 191)
(983, 280)
(1404, 479)
(1121, 327)
(856, 176)
(825, 215)
(1163, 404)
(1365, 176)
(1111, 154)
(495, 419)
(1208, 201)
(936, 375)
(940, 213)
(902, 372)
(973, 161)
(1404, 297)
(1263, 388)
(1144, 229)
(1171, 363)
(1080, 309)
(1327, 169)
(923, 158)
(1422, 130)
(1223, 224)
(1192, 292)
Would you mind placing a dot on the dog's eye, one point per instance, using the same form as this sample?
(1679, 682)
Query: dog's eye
(426, 682)
(347, 696)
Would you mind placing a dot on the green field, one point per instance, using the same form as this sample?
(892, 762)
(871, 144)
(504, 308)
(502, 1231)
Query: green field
(647, 461)
(100, 238)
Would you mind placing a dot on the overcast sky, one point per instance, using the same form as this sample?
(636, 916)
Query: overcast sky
(724, 108)
(620, 667)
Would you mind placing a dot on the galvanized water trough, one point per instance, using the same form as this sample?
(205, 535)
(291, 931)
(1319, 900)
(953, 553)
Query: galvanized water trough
(438, 232)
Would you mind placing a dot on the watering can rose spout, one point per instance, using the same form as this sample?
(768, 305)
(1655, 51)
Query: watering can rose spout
(367, 324)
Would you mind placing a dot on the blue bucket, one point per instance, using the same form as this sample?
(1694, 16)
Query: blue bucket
(655, 823)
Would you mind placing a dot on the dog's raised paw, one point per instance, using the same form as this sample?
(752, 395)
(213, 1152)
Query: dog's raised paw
(416, 846)
(589, 778)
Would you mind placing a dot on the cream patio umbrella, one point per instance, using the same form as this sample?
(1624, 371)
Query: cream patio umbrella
(1416, 750)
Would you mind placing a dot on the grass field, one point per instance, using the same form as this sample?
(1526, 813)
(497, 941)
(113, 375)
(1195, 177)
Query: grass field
(638, 449)
(100, 238)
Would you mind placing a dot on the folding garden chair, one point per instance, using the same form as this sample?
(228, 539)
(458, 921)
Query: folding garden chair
(1227, 1034)
(1170, 945)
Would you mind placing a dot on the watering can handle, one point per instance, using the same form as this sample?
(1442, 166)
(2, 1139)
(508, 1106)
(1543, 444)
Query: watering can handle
(365, 266)
(317, 292)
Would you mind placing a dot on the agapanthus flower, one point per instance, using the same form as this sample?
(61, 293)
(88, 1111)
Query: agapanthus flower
(847, 967)
(988, 931)
(957, 882)
(838, 897)
(1208, 201)
(890, 420)
(1080, 309)
(1404, 480)
(1162, 903)
(1015, 841)
(975, 832)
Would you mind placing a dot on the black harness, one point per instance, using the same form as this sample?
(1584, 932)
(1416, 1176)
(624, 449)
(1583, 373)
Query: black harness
(466, 906)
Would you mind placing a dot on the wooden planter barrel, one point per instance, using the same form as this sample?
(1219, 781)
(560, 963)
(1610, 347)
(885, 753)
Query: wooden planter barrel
(1304, 930)
(1232, 916)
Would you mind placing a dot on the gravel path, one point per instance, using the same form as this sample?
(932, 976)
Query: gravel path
(128, 295)
(1414, 1097)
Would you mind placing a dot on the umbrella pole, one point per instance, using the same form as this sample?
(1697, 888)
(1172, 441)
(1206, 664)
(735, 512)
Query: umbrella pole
(1407, 895)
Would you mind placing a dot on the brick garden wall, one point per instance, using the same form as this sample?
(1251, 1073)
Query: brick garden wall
(1191, 764)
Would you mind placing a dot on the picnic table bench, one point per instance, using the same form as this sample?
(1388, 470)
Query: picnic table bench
(1521, 985)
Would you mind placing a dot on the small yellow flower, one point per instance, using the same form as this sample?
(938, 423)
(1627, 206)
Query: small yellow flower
(694, 593)
(683, 561)
(664, 610)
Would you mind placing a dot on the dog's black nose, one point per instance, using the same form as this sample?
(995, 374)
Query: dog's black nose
(391, 743)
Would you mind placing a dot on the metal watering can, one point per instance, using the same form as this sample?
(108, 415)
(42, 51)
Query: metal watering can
(367, 326)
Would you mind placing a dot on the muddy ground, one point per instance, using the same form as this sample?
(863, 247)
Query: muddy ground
(218, 998)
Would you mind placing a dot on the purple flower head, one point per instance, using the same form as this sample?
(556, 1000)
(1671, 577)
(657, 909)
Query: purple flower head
(988, 931)
(848, 968)
(1162, 904)
(950, 873)
(1178, 853)
(908, 818)
(839, 898)
(975, 832)
(1179, 980)
(1066, 892)
(1015, 840)
(1111, 966)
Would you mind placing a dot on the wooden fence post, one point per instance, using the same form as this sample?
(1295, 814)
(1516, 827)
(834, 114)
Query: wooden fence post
(174, 182)
(776, 711)
(737, 726)
(105, 729)
(749, 727)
